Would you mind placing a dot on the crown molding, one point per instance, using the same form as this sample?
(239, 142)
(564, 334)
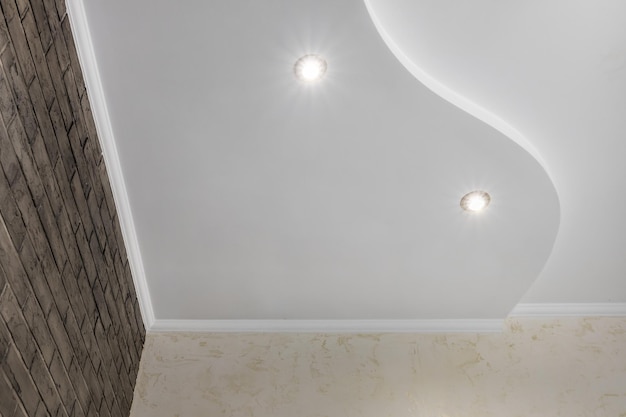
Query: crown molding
(330, 326)
(544, 310)
(569, 310)
(89, 66)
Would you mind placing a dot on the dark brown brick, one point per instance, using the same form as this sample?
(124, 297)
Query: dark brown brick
(120, 275)
(70, 284)
(59, 334)
(37, 325)
(19, 89)
(73, 56)
(109, 394)
(46, 173)
(94, 154)
(108, 191)
(96, 184)
(11, 214)
(23, 153)
(39, 57)
(72, 327)
(39, 12)
(104, 411)
(81, 203)
(42, 411)
(12, 266)
(112, 308)
(103, 311)
(115, 409)
(87, 297)
(44, 122)
(4, 35)
(74, 100)
(62, 301)
(79, 157)
(56, 75)
(61, 50)
(69, 240)
(19, 376)
(62, 381)
(95, 388)
(85, 252)
(7, 105)
(5, 335)
(63, 141)
(55, 242)
(20, 411)
(16, 324)
(22, 7)
(105, 350)
(80, 387)
(66, 193)
(8, 398)
(94, 211)
(8, 159)
(45, 384)
(121, 246)
(91, 344)
(61, 13)
(18, 38)
(61, 411)
(36, 277)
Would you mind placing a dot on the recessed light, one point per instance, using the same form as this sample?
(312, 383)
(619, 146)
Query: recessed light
(310, 68)
(475, 201)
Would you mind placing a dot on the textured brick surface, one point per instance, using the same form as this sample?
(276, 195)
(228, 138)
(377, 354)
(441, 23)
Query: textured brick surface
(70, 330)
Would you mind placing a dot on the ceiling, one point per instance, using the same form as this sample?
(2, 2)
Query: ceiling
(246, 194)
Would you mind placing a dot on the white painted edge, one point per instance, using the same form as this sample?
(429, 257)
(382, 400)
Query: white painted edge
(542, 310)
(569, 310)
(454, 97)
(330, 326)
(89, 65)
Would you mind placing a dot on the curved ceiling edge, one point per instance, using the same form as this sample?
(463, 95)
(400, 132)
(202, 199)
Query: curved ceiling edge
(454, 97)
(468, 106)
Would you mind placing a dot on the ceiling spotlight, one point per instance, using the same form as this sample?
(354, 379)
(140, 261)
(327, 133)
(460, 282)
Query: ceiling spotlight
(310, 68)
(475, 201)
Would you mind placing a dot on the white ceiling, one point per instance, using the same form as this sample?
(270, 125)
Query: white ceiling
(257, 197)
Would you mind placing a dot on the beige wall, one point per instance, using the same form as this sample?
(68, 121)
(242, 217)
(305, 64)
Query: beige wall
(565, 367)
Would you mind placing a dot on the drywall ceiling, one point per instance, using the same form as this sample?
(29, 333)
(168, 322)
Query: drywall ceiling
(256, 196)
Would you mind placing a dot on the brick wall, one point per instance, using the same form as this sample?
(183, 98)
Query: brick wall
(71, 333)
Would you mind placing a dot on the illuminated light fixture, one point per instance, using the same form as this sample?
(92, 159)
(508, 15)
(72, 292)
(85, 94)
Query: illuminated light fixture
(310, 68)
(475, 201)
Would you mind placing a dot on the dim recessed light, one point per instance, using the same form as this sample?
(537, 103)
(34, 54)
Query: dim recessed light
(310, 68)
(475, 201)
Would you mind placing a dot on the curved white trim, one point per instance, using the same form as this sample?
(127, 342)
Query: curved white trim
(330, 326)
(89, 65)
(454, 97)
(569, 310)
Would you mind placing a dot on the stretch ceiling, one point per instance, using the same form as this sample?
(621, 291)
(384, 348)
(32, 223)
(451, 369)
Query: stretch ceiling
(257, 196)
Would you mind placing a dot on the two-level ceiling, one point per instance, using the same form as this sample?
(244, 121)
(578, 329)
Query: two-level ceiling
(257, 196)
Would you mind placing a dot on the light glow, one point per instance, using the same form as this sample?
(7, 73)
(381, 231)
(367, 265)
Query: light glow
(310, 68)
(475, 201)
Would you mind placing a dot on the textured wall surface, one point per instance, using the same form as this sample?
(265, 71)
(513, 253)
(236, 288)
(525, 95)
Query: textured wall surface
(70, 328)
(568, 367)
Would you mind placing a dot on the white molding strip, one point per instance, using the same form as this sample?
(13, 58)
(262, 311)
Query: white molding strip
(89, 65)
(330, 326)
(569, 310)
